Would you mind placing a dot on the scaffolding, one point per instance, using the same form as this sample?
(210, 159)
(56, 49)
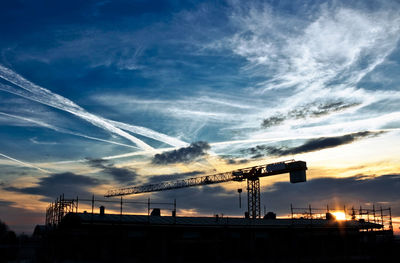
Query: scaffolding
(56, 210)
(381, 215)
(59, 208)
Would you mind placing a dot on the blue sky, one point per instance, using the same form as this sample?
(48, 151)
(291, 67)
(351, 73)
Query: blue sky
(91, 91)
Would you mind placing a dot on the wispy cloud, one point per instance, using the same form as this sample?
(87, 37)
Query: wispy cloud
(62, 130)
(150, 134)
(44, 96)
(315, 109)
(310, 66)
(35, 141)
(311, 145)
(206, 106)
(317, 52)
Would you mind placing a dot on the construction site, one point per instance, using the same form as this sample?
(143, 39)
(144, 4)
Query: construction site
(85, 230)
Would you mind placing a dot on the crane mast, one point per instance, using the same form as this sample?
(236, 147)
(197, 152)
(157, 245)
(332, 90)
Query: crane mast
(296, 169)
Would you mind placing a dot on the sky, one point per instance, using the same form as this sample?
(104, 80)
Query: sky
(96, 95)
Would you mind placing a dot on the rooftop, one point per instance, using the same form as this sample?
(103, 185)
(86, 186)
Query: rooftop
(88, 218)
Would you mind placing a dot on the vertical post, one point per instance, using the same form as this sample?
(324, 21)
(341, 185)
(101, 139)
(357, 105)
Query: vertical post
(63, 207)
(175, 206)
(390, 219)
(374, 212)
(60, 206)
(240, 197)
(382, 217)
(57, 210)
(174, 212)
(291, 210)
(121, 206)
(327, 208)
(92, 204)
(309, 208)
(77, 203)
(249, 198)
(148, 206)
(344, 211)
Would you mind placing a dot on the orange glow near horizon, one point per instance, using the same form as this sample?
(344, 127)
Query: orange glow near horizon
(339, 215)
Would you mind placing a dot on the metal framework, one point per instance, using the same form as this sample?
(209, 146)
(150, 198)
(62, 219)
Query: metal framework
(253, 197)
(57, 210)
(382, 216)
(251, 174)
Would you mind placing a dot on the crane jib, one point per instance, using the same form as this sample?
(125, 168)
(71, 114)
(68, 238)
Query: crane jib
(296, 169)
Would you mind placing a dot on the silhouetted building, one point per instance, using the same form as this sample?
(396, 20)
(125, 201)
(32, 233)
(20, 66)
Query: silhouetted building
(86, 237)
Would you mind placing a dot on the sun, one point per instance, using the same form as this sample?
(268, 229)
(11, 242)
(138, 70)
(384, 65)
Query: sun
(339, 215)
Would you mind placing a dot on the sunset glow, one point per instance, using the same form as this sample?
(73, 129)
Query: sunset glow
(339, 215)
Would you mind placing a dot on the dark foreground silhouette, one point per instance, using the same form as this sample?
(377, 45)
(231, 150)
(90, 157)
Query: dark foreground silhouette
(85, 237)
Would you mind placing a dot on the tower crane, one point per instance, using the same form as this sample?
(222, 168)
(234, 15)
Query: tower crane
(296, 169)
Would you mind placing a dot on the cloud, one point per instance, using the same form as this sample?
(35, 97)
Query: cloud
(272, 121)
(121, 175)
(298, 52)
(310, 110)
(236, 161)
(298, 68)
(6, 203)
(182, 155)
(311, 145)
(52, 186)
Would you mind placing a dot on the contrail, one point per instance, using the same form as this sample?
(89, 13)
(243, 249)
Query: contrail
(46, 125)
(24, 163)
(150, 134)
(46, 97)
